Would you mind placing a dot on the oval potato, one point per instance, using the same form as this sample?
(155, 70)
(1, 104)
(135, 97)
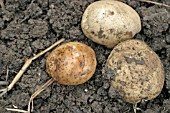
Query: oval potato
(137, 72)
(72, 63)
(110, 22)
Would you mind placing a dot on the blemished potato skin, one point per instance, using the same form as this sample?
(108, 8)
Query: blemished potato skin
(136, 70)
(109, 22)
(71, 63)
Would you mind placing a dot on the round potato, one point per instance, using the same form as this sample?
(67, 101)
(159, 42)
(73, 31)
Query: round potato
(136, 71)
(110, 22)
(72, 63)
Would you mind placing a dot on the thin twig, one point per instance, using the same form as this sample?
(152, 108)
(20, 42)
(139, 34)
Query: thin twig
(3, 83)
(2, 4)
(4, 91)
(30, 104)
(42, 88)
(17, 110)
(7, 73)
(134, 107)
(26, 65)
(156, 3)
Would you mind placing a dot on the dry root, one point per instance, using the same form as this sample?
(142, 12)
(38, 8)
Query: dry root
(30, 104)
(25, 66)
(156, 3)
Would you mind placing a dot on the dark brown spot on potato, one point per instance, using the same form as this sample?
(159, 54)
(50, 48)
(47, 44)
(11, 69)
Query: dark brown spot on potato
(92, 32)
(82, 63)
(100, 34)
(129, 33)
(117, 50)
(111, 30)
(111, 13)
(139, 54)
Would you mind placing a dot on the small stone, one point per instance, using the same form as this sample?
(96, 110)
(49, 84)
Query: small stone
(27, 51)
(101, 91)
(86, 90)
(106, 85)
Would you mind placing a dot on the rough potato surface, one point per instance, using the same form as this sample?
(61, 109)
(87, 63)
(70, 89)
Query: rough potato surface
(110, 22)
(137, 71)
(72, 63)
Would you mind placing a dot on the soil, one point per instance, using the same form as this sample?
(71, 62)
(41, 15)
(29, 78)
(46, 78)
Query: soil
(27, 27)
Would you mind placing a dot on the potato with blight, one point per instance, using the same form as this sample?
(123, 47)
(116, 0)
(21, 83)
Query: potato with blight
(136, 71)
(110, 22)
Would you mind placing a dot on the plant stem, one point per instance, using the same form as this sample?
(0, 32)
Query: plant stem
(30, 104)
(26, 65)
(156, 3)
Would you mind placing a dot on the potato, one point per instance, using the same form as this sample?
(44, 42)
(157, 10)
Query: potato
(110, 22)
(136, 71)
(72, 63)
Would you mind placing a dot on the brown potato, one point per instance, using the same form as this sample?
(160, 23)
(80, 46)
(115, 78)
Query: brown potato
(110, 22)
(136, 71)
(72, 63)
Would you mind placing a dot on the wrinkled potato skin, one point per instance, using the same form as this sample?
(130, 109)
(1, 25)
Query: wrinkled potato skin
(110, 22)
(72, 63)
(137, 70)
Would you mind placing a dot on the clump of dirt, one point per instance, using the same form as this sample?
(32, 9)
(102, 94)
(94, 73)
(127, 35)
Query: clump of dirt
(27, 28)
